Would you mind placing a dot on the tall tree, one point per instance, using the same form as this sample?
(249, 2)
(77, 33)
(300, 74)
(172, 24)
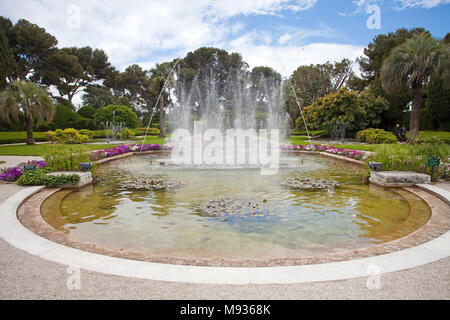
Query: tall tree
(315, 81)
(270, 78)
(72, 69)
(370, 65)
(100, 96)
(31, 46)
(410, 65)
(29, 98)
(132, 84)
(160, 74)
(7, 61)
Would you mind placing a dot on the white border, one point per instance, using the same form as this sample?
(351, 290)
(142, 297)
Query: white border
(13, 232)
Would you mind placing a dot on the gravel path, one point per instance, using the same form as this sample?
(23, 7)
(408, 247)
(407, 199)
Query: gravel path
(23, 276)
(11, 161)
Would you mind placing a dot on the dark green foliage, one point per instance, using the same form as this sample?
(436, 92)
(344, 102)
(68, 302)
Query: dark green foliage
(100, 96)
(370, 64)
(119, 113)
(66, 118)
(87, 112)
(40, 177)
(376, 136)
(32, 45)
(7, 62)
(71, 69)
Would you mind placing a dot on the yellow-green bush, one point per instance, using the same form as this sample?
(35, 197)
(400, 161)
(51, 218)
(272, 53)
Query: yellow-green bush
(69, 136)
(376, 136)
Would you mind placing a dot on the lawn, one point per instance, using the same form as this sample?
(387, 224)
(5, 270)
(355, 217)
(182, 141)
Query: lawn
(41, 149)
(20, 137)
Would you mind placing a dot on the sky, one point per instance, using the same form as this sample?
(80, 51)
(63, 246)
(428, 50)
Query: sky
(281, 34)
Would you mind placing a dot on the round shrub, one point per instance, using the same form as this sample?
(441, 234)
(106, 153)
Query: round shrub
(69, 136)
(87, 133)
(376, 136)
(119, 113)
(87, 112)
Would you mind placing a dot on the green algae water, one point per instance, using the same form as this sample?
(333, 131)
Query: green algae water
(294, 223)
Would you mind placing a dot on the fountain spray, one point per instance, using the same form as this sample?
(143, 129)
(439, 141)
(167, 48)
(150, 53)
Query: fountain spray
(295, 95)
(157, 102)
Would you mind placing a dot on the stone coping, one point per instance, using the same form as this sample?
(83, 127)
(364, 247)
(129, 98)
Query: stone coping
(12, 231)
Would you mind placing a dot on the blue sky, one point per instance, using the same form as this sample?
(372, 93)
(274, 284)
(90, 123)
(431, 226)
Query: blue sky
(279, 33)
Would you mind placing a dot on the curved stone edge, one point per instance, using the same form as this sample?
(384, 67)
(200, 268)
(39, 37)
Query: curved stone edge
(438, 192)
(13, 232)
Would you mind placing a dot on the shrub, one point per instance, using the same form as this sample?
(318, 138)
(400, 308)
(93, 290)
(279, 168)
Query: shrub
(151, 131)
(119, 113)
(127, 133)
(87, 112)
(87, 133)
(69, 136)
(376, 136)
(40, 177)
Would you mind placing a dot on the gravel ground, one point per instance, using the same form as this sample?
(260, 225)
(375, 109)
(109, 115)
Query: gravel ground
(23, 276)
(11, 161)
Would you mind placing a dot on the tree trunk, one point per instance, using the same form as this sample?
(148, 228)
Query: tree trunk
(162, 118)
(415, 110)
(30, 137)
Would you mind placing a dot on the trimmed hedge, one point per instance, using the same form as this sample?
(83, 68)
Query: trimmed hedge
(7, 137)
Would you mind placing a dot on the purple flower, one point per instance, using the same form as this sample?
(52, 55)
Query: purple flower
(11, 174)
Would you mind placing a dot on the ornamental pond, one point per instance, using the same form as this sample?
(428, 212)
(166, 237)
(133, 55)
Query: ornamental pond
(142, 204)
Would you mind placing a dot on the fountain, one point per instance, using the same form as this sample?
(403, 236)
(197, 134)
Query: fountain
(114, 127)
(338, 130)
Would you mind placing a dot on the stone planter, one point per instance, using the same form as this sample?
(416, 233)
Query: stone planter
(85, 179)
(398, 178)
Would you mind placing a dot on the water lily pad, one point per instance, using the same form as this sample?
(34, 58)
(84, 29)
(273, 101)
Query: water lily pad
(234, 207)
(305, 183)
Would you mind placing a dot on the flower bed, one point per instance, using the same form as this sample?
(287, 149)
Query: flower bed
(14, 173)
(352, 154)
(111, 152)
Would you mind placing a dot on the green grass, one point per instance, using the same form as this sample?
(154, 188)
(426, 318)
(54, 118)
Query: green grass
(442, 135)
(43, 149)
(20, 137)
(153, 140)
(313, 133)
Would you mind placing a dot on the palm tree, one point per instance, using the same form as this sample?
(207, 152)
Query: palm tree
(159, 76)
(410, 65)
(29, 98)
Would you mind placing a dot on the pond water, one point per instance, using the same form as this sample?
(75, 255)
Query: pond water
(293, 222)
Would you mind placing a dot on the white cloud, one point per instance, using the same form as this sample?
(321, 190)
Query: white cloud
(421, 3)
(135, 30)
(229, 8)
(399, 4)
(286, 59)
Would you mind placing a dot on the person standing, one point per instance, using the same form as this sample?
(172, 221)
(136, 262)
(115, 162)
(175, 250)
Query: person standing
(397, 132)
